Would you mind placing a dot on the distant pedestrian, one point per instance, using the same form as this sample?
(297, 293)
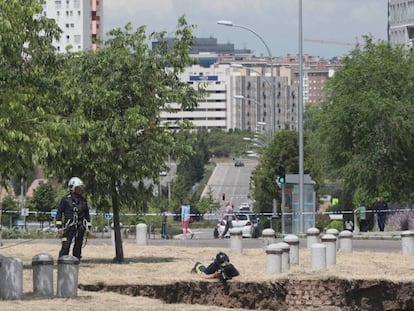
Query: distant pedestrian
(362, 218)
(228, 217)
(381, 208)
(185, 219)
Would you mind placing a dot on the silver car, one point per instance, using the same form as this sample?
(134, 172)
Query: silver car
(246, 221)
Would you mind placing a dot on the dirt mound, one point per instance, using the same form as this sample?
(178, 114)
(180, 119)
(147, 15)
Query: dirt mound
(322, 294)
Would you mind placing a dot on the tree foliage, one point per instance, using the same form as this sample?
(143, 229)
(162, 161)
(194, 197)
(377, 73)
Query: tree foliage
(283, 151)
(27, 59)
(190, 169)
(43, 201)
(227, 144)
(111, 101)
(365, 123)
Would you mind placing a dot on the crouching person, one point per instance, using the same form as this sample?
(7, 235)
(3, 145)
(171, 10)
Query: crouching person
(220, 268)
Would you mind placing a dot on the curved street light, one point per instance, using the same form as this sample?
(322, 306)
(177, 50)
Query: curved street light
(301, 169)
(231, 24)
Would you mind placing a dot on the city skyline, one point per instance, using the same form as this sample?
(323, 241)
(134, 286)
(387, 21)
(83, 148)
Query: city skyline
(336, 23)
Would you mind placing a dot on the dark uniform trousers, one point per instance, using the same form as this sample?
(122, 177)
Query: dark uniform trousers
(70, 234)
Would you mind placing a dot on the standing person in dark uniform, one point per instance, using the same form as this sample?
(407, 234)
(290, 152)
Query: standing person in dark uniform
(72, 218)
(220, 268)
(381, 208)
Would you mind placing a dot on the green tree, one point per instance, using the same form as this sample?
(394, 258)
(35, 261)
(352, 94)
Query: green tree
(43, 201)
(190, 169)
(111, 102)
(365, 123)
(27, 60)
(282, 151)
(9, 203)
(227, 143)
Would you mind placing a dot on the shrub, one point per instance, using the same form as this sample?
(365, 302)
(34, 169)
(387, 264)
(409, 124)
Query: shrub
(400, 221)
(322, 222)
(336, 224)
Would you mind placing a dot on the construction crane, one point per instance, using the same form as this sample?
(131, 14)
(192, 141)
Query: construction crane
(356, 44)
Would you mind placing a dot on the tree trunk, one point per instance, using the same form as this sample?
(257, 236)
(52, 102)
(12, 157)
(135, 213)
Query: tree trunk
(119, 252)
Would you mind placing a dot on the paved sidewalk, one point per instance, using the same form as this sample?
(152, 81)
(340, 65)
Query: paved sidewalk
(378, 235)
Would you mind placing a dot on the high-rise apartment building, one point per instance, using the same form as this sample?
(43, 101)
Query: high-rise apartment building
(80, 22)
(249, 92)
(237, 99)
(401, 23)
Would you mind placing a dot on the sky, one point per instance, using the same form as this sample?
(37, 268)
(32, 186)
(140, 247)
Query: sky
(335, 24)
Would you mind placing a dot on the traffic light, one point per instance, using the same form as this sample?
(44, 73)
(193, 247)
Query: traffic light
(282, 175)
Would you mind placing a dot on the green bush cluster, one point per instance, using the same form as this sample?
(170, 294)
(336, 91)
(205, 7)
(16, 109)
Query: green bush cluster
(7, 233)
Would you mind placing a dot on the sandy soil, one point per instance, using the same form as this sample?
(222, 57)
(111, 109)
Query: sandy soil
(163, 265)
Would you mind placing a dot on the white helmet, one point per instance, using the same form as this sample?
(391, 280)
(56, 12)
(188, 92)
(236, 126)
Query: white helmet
(73, 183)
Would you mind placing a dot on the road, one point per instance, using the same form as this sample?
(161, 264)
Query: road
(231, 181)
(204, 238)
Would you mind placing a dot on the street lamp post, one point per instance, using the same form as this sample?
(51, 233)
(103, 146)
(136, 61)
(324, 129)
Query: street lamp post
(272, 114)
(300, 121)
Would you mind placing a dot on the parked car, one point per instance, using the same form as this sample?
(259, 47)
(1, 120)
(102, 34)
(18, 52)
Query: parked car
(51, 228)
(244, 207)
(248, 223)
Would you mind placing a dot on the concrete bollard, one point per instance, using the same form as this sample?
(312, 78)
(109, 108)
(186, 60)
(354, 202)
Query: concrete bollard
(293, 242)
(318, 255)
(329, 240)
(285, 256)
(42, 275)
(112, 236)
(67, 282)
(2, 285)
(345, 241)
(312, 236)
(334, 232)
(141, 235)
(236, 240)
(11, 278)
(407, 243)
(268, 236)
(273, 259)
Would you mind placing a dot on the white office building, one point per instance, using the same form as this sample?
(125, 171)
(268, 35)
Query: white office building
(80, 22)
(237, 99)
(211, 112)
(401, 23)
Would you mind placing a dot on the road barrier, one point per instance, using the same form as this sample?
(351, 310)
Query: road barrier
(329, 240)
(407, 243)
(67, 283)
(318, 256)
(293, 242)
(11, 278)
(273, 259)
(141, 234)
(312, 237)
(42, 265)
(236, 244)
(345, 241)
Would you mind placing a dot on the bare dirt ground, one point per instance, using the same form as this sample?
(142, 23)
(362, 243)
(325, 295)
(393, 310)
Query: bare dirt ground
(171, 264)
